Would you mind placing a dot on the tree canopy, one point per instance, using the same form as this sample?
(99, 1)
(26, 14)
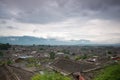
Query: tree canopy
(4, 46)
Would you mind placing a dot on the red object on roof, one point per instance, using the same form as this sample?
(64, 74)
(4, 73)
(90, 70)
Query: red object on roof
(78, 76)
(116, 58)
(81, 78)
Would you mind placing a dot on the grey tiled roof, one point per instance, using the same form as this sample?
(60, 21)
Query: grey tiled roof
(69, 66)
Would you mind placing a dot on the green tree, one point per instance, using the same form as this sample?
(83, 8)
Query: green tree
(5, 46)
(1, 54)
(50, 76)
(67, 57)
(65, 51)
(81, 57)
(9, 62)
(109, 52)
(52, 55)
(32, 62)
(77, 58)
(84, 56)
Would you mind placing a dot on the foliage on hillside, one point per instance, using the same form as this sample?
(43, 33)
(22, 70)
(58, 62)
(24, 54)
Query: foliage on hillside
(4, 46)
(81, 57)
(50, 76)
(32, 62)
(8, 62)
(109, 73)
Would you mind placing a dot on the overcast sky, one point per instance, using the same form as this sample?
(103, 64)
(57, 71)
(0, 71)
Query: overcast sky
(94, 20)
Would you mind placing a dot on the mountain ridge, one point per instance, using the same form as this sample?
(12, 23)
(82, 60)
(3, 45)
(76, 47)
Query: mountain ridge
(30, 40)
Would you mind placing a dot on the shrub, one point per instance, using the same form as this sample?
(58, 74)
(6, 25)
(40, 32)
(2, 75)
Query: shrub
(109, 73)
(50, 76)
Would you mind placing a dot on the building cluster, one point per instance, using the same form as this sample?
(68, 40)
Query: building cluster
(68, 60)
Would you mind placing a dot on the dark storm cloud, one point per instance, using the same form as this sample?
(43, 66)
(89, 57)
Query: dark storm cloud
(46, 11)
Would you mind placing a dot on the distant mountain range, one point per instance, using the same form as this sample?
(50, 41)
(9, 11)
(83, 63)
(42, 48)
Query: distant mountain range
(29, 40)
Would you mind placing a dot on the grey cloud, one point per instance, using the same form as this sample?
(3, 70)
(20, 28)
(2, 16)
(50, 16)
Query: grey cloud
(11, 27)
(114, 34)
(39, 17)
(35, 30)
(3, 22)
(46, 11)
(8, 27)
(4, 14)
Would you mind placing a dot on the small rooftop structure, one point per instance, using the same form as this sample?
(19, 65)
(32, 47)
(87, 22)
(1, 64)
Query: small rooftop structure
(33, 52)
(24, 57)
(59, 53)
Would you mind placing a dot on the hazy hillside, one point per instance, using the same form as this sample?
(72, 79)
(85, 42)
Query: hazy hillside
(28, 40)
